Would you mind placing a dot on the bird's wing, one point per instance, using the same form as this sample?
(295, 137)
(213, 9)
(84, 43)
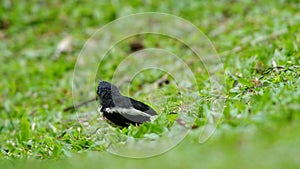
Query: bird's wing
(142, 107)
(126, 111)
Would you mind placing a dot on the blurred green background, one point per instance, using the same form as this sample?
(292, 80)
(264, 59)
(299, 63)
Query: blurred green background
(257, 40)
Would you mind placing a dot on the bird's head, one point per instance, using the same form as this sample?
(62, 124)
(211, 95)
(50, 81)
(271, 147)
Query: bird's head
(107, 90)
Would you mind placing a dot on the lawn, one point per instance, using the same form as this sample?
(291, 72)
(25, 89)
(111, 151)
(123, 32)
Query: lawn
(257, 43)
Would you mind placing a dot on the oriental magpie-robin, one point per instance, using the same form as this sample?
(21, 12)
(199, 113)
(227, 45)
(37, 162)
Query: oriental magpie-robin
(121, 110)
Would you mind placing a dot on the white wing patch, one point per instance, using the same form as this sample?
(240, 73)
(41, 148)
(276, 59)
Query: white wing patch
(129, 111)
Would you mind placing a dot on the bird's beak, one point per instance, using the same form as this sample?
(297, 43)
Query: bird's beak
(100, 80)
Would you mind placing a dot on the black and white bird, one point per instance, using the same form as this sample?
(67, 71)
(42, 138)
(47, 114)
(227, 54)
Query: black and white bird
(121, 110)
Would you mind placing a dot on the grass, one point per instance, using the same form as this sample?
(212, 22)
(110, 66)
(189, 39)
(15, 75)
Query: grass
(258, 43)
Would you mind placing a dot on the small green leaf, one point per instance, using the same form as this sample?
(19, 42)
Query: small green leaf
(24, 129)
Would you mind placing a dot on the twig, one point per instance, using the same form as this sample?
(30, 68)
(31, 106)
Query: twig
(79, 105)
(125, 79)
(162, 80)
(254, 42)
(272, 36)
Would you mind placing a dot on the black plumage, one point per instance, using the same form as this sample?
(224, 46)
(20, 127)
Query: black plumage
(121, 110)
